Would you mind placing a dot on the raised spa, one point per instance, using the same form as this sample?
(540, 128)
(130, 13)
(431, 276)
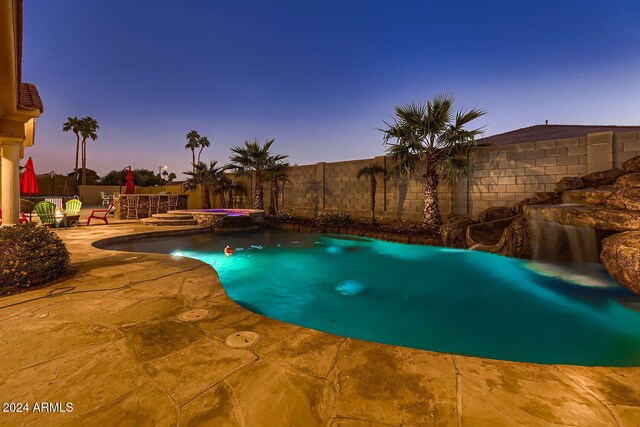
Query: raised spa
(446, 300)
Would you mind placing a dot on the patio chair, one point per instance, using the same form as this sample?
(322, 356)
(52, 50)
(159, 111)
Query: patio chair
(47, 213)
(132, 206)
(72, 208)
(154, 204)
(100, 214)
(106, 200)
(172, 202)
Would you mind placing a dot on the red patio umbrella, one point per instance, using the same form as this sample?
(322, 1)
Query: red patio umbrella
(29, 183)
(130, 186)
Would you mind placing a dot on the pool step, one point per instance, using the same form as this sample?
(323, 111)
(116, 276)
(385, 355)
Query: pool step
(170, 220)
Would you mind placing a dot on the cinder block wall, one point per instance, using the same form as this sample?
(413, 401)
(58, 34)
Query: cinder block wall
(499, 176)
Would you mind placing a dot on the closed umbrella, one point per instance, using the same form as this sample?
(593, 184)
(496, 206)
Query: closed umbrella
(29, 183)
(130, 186)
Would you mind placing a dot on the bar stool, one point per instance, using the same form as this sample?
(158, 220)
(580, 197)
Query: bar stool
(154, 204)
(132, 205)
(172, 203)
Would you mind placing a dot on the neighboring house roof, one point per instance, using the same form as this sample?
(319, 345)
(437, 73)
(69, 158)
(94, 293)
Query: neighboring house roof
(29, 98)
(547, 132)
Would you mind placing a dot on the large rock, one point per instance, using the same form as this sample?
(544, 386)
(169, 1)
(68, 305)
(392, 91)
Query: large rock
(621, 257)
(487, 233)
(625, 198)
(545, 198)
(454, 233)
(599, 217)
(588, 196)
(516, 240)
(568, 183)
(631, 180)
(597, 179)
(518, 207)
(494, 213)
(632, 165)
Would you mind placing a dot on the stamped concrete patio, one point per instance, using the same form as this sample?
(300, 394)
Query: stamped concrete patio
(115, 346)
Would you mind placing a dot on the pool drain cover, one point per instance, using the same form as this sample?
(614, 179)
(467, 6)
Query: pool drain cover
(242, 339)
(193, 315)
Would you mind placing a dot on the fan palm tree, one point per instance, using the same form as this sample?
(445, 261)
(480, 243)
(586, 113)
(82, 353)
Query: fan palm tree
(236, 190)
(276, 174)
(73, 124)
(371, 170)
(203, 142)
(431, 139)
(88, 130)
(193, 142)
(204, 175)
(254, 157)
(223, 186)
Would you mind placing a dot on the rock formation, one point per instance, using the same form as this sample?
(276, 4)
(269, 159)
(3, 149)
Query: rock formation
(621, 257)
(454, 233)
(600, 178)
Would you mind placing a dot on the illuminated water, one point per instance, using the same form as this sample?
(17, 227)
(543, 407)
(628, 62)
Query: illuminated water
(439, 299)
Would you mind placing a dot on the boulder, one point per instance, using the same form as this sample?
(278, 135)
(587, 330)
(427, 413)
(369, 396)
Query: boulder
(518, 207)
(568, 183)
(625, 198)
(545, 198)
(621, 257)
(454, 233)
(494, 213)
(631, 180)
(632, 165)
(600, 178)
(516, 240)
(487, 233)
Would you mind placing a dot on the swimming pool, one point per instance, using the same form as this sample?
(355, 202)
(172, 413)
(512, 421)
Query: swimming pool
(439, 299)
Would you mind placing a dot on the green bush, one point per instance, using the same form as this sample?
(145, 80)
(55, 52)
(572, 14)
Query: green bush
(30, 255)
(329, 219)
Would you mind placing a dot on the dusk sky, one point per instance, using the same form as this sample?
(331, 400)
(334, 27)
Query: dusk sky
(318, 76)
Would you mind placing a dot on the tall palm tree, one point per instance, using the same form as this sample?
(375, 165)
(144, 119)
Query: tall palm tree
(371, 170)
(88, 130)
(254, 157)
(431, 139)
(193, 142)
(203, 142)
(73, 124)
(276, 174)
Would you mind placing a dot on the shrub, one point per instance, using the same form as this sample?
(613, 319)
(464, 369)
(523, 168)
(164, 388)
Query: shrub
(30, 255)
(327, 219)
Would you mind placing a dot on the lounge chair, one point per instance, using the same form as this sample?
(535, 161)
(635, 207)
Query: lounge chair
(106, 200)
(100, 214)
(47, 213)
(72, 208)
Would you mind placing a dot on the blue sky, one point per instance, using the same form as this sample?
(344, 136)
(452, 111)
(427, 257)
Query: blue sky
(318, 76)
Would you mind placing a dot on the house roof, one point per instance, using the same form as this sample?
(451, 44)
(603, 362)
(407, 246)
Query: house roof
(29, 98)
(547, 132)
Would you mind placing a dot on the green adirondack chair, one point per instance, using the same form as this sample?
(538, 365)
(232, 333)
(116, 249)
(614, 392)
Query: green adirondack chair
(47, 213)
(73, 206)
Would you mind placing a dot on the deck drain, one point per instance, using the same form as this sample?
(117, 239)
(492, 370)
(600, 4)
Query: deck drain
(193, 315)
(242, 339)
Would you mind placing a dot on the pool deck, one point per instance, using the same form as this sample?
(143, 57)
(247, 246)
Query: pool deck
(120, 353)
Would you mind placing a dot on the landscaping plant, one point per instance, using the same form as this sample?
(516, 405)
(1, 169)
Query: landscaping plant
(30, 255)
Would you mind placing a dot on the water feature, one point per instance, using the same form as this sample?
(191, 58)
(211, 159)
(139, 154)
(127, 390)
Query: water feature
(439, 299)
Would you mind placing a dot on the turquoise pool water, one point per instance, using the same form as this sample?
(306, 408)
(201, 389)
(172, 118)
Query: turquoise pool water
(438, 299)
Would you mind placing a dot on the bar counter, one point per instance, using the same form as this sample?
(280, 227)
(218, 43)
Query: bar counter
(121, 204)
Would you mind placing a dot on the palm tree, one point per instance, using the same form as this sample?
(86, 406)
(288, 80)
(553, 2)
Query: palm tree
(371, 170)
(88, 129)
(171, 177)
(204, 175)
(193, 142)
(253, 157)
(276, 174)
(237, 189)
(432, 140)
(73, 124)
(223, 186)
(203, 142)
